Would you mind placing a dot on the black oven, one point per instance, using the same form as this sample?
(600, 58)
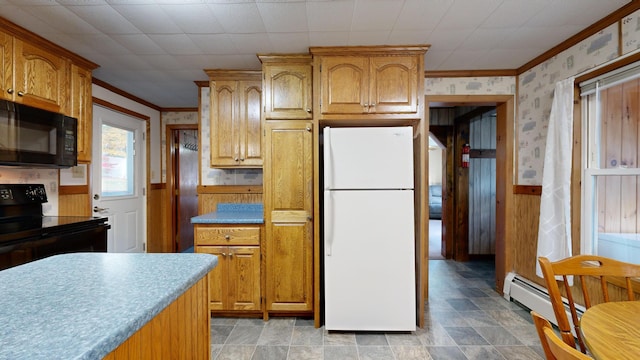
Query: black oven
(36, 137)
(27, 235)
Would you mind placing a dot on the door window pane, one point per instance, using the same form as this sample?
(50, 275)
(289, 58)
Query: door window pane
(117, 161)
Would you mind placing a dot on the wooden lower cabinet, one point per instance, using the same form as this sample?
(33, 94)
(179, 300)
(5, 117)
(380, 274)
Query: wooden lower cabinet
(235, 284)
(180, 331)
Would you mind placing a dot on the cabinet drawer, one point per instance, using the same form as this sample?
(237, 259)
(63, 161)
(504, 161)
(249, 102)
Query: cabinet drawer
(227, 236)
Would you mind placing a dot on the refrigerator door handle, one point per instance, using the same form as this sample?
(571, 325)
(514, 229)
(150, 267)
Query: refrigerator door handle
(328, 221)
(328, 155)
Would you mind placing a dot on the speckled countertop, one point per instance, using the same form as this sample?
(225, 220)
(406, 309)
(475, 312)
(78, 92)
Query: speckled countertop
(83, 305)
(227, 213)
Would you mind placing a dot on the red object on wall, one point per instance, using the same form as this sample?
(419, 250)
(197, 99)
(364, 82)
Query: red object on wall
(465, 155)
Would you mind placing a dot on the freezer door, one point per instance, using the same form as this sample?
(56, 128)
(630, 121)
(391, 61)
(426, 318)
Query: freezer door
(368, 158)
(369, 262)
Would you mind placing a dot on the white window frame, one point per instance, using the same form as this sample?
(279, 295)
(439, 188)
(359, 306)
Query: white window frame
(590, 151)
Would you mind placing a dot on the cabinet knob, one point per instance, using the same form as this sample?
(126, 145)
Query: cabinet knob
(10, 90)
(235, 159)
(224, 254)
(230, 254)
(366, 105)
(308, 128)
(309, 218)
(373, 104)
(20, 93)
(227, 237)
(309, 111)
(241, 159)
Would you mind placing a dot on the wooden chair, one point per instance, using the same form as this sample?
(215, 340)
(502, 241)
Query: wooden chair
(554, 348)
(581, 267)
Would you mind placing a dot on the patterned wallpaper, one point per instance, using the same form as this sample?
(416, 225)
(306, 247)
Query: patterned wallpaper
(535, 95)
(497, 85)
(210, 176)
(48, 177)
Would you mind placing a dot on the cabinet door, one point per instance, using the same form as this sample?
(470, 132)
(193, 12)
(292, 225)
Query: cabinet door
(218, 283)
(288, 195)
(41, 78)
(81, 109)
(225, 131)
(344, 85)
(6, 58)
(394, 84)
(250, 125)
(244, 278)
(288, 92)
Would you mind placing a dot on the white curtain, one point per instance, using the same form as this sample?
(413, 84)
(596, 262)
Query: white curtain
(554, 230)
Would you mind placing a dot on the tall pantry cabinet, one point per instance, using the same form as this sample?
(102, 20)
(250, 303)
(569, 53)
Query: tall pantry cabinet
(288, 182)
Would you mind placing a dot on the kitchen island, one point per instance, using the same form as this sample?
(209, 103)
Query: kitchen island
(106, 305)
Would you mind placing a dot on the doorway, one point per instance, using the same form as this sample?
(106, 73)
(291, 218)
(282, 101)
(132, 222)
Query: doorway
(505, 116)
(182, 176)
(118, 178)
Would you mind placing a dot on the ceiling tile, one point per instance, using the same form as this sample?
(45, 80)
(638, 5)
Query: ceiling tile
(433, 60)
(461, 15)
(194, 18)
(483, 39)
(290, 42)
(138, 43)
(375, 15)
(514, 13)
(104, 18)
(284, 17)
(421, 14)
(150, 19)
(238, 18)
(251, 43)
(369, 38)
(407, 37)
(175, 44)
(330, 16)
(328, 38)
(218, 44)
(161, 62)
(58, 17)
(450, 39)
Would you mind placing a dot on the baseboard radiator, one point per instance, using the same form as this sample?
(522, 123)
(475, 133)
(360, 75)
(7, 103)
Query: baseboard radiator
(533, 296)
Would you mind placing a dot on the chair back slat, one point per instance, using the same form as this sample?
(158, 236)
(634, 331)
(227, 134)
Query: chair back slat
(582, 267)
(553, 347)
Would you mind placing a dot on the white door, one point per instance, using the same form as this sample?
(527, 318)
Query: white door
(118, 174)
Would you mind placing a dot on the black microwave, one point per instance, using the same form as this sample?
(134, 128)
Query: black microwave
(36, 138)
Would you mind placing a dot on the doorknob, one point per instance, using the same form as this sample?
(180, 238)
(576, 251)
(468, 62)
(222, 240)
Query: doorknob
(99, 209)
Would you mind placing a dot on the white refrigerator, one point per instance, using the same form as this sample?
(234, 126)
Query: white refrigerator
(369, 242)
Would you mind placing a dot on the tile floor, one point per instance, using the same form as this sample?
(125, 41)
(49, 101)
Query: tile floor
(465, 319)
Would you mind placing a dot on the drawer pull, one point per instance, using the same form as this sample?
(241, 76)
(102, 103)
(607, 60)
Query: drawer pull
(227, 237)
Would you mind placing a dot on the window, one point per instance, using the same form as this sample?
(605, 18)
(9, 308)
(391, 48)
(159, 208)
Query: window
(117, 161)
(611, 175)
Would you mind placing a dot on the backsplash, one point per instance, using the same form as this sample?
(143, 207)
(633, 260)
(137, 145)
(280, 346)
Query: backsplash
(210, 176)
(48, 177)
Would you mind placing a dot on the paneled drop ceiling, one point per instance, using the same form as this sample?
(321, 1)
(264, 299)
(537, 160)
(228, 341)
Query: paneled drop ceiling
(156, 49)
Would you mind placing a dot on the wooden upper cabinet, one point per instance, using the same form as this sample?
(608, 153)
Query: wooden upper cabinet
(6, 57)
(235, 119)
(81, 109)
(41, 78)
(393, 84)
(370, 81)
(287, 81)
